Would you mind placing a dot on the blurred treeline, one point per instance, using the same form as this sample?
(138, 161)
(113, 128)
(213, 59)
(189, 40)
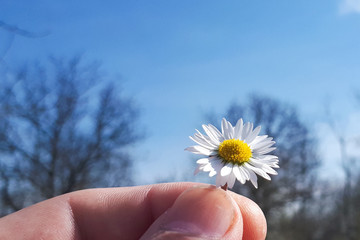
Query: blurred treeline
(63, 127)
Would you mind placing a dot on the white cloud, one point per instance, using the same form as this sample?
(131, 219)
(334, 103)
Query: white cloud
(349, 6)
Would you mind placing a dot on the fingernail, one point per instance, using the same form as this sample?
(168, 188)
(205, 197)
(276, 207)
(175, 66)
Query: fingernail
(205, 212)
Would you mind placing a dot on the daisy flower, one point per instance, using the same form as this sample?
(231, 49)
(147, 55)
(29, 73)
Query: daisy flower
(237, 152)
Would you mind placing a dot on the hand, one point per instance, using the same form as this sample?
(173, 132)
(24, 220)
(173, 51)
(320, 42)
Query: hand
(162, 211)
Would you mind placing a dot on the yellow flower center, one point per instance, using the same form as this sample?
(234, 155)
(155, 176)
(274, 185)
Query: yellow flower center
(234, 151)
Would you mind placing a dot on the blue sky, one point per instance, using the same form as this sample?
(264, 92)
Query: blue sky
(181, 59)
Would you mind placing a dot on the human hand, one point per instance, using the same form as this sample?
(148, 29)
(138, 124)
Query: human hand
(162, 211)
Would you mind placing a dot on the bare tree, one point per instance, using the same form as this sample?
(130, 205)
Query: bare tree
(347, 215)
(293, 187)
(331, 224)
(62, 129)
(337, 211)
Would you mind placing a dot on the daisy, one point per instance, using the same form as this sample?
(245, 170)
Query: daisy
(234, 153)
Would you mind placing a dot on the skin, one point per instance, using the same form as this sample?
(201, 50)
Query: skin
(142, 212)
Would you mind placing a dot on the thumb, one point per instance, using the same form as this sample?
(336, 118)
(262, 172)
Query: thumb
(198, 213)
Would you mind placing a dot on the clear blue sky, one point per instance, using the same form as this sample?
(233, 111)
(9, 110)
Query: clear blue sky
(180, 59)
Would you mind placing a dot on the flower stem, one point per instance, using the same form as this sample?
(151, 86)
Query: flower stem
(224, 187)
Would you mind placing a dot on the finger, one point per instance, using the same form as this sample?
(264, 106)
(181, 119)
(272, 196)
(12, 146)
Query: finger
(199, 213)
(123, 213)
(254, 224)
(111, 213)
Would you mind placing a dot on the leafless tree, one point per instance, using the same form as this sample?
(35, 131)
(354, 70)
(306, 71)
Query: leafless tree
(296, 148)
(346, 217)
(62, 129)
(332, 225)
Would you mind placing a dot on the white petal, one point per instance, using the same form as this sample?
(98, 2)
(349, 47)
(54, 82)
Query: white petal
(246, 130)
(223, 180)
(202, 160)
(208, 168)
(245, 172)
(267, 157)
(264, 144)
(264, 151)
(227, 129)
(212, 173)
(212, 135)
(223, 126)
(269, 170)
(253, 135)
(217, 132)
(202, 136)
(267, 161)
(238, 129)
(203, 142)
(226, 170)
(231, 180)
(259, 139)
(230, 131)
(218, 180)
(199, 150)
(217, 164)
(239, 175)
(253, 178)
(263, 166)
(197, 170)
(258, 171)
